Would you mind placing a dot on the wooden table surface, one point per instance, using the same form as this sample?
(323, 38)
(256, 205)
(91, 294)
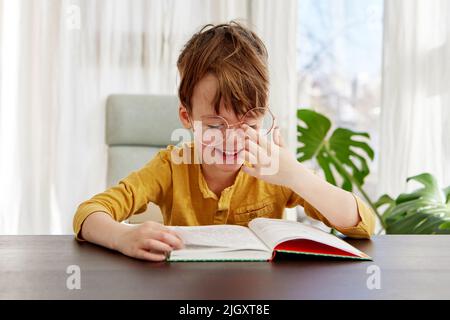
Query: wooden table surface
(410, 267)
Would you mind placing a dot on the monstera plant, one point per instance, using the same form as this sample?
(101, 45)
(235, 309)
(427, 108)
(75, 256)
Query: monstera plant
(343, 155)
(423, 211)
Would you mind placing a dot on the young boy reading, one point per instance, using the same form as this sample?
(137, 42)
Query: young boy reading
(244, 171)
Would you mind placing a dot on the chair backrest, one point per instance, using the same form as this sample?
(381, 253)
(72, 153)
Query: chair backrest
(137, 127)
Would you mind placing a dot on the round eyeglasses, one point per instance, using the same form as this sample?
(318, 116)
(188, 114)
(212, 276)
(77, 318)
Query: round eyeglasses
(215, 129)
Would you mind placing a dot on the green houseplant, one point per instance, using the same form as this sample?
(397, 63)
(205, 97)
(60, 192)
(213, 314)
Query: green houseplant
(423, 211)
(344, 155)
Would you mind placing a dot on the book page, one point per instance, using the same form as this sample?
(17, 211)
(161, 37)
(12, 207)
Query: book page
(276, 231)
(219, 236)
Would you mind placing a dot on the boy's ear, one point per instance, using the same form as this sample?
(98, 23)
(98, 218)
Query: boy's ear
(184, 116)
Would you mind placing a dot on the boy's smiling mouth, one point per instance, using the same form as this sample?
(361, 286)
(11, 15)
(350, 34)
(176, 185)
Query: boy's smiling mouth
(229, 156)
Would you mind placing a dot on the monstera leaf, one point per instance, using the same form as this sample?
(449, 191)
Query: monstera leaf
(423, 211)
(345, 153)
(339, 154)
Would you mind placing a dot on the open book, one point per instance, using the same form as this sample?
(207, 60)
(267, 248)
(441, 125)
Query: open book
(259, 242)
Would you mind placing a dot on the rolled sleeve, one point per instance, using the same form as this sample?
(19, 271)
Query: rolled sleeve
(366, 226)
(84, 211)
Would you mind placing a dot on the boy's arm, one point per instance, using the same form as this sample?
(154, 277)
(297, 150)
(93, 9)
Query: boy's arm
(131, 195)
(148, 241)
(336, 207)
(119, 202)
(101, 229)
(98, 219)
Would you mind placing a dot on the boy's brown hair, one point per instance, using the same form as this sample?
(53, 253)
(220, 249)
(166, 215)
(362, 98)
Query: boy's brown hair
(236, 56)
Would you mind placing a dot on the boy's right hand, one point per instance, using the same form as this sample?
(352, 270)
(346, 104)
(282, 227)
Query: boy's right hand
(148, 241)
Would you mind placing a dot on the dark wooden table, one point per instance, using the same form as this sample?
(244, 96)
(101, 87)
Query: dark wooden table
(411, 267)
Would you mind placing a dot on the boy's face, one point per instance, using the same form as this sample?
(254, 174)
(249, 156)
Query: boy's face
(223, 150)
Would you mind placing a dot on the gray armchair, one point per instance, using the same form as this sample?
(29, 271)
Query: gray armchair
(137, 127)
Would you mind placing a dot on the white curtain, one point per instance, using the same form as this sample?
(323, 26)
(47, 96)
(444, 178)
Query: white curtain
(59, 62)
(415, 117)
(276, 23)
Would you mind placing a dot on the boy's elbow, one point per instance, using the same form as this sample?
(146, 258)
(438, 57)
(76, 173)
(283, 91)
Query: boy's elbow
(364, 229)
(77, 222)
(359, 232)
(368, 223)
(367, 233)
(84, 210)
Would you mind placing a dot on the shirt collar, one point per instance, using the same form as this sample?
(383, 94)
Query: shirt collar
(207, 193)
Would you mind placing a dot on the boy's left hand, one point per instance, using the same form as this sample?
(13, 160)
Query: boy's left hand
(271, 160)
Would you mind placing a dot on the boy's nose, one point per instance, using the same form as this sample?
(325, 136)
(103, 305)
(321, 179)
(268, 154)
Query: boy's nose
(235, 139)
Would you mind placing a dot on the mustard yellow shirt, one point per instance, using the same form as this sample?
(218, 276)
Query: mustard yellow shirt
(182, 193)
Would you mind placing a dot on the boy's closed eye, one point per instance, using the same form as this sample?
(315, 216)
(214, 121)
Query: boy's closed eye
(217, 126)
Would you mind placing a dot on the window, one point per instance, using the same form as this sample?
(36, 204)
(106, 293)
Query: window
(339, 69)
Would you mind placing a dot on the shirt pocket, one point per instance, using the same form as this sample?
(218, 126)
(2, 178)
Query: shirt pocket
(244, 214)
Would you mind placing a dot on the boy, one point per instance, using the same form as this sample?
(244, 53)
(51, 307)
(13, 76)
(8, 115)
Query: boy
(223, 97)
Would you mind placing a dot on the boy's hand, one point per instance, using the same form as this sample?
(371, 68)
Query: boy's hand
(148, 241)
(270, 160)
